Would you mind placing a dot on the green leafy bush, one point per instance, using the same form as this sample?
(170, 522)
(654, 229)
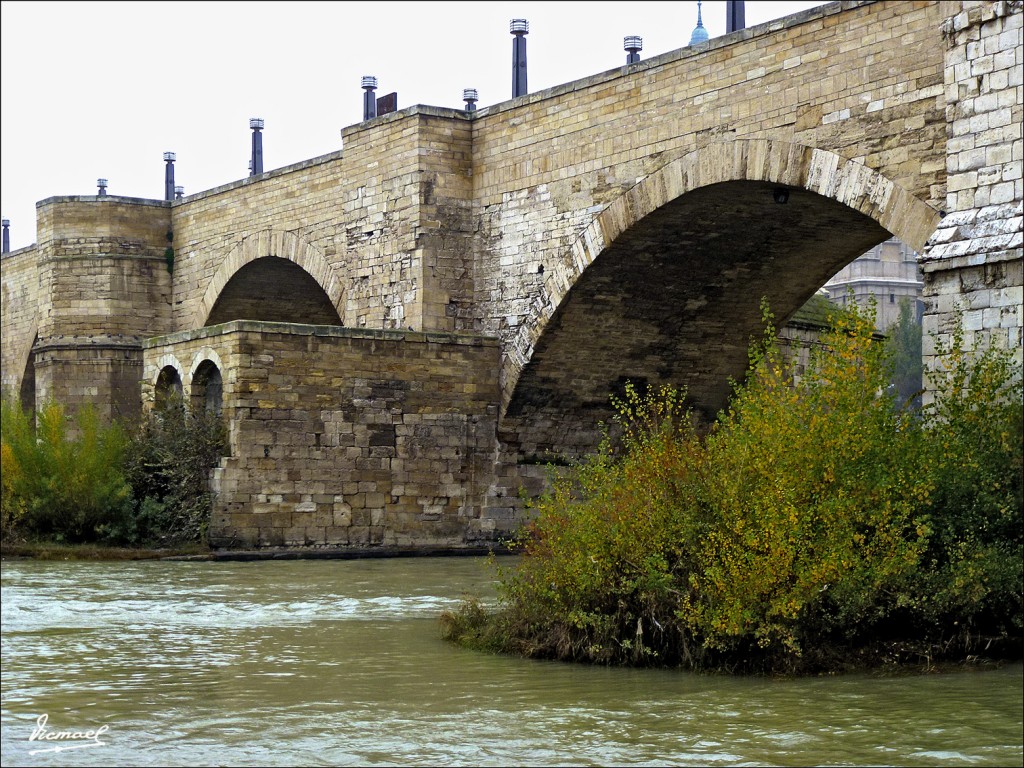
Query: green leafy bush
(62, 478)
(73, 479)
(815, 519)
(975, 455)
(598, 581)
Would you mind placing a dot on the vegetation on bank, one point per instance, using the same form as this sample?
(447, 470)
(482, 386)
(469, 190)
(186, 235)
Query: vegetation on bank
(48, 550)
(815, 526)
(69, 479)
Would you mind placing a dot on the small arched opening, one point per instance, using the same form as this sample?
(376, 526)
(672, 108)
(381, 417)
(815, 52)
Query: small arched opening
(168, 391)
(207, 394)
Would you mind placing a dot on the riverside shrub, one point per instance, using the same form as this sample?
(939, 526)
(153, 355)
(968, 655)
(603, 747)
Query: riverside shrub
(62, 476)
(815, 519)
(817, 492)
(599, 577)
(72, 479)
(972, 574)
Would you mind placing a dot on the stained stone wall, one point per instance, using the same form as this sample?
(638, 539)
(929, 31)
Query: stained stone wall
(382, 226)
(345, 437)
(103, 286)
(21, 300)
(974, 260)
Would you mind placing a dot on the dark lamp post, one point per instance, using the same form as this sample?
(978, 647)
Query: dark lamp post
(369, 85)
(169, 158)
(520, 28)
(256, 165)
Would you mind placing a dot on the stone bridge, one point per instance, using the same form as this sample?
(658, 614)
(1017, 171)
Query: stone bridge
(398, 332)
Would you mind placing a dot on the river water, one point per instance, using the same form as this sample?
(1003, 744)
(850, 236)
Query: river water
(341, 663)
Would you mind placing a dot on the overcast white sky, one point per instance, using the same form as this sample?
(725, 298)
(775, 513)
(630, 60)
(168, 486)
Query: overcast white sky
(103, 89)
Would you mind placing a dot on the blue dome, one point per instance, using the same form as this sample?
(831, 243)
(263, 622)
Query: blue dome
(699, 33)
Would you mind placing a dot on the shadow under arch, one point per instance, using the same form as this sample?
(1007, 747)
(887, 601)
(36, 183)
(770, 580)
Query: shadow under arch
(664, 285)
(276, 275)
(27, 388)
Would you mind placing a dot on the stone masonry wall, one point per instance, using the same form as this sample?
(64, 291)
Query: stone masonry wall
(345, 437)
(103, 287)
(103, 268)
(862, 80)
(389, 216)
(19, 273)
(446, 229)
(974, 260)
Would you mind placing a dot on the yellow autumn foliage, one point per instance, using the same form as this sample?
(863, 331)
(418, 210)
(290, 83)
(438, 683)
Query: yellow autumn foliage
(817, 516)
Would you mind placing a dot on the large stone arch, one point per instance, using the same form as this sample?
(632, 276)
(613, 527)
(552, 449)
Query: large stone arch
(785, 164)
(283, 245)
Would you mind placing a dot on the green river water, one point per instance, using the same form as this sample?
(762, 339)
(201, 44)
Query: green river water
(340, 662)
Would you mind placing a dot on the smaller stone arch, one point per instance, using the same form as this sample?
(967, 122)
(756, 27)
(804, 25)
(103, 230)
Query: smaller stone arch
(205, 354)
(168, 390)
(283, 245)
(206, 392)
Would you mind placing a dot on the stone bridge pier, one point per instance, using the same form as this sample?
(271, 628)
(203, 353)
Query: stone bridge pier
(400, 333)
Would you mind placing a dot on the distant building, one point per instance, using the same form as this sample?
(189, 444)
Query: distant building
(804, 331)
(889, 272)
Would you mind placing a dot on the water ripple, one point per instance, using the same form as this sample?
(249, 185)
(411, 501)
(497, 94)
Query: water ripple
(341, 663)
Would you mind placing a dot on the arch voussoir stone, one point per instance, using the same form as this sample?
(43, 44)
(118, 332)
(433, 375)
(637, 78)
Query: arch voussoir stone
(203, 355)
(284, 245)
